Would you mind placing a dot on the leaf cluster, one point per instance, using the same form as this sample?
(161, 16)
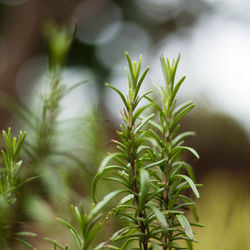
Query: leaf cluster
(9, 184)
(88, 224)
(148, 168)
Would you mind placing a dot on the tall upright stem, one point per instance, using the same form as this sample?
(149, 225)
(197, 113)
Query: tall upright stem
(165, 192)
(143, 241)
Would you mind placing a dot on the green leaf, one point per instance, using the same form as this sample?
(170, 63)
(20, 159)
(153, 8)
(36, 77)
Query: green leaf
(174, 67)
(139, 112)
(102, 203)
(176, 169)
(196, 224)
(181, 148)
(185, 224)
(143, 122)
(155, 246)
(190, 182)
(192, 205)
(143, 148)
(19, 144)
(25, 243)
(26, 234)
(118, 180)
(8, 143)
(138, 67)
(120, 94)
(94, 221)
(55, 243)
(72, 230)
(78, 216)
(98, 176)
(141, 80)
(156, 125)
(6, 160)
(179, 116)
(106, 160)
(176, 88)
(189, 170)
(157, 107)
(166, 72)
(126, 199)
(138, 99)
(91, 235)
(102, 170)
(154, 194)
(175, 246)
(100, 246)
(152, 134)
(182, 136)
(126, 243)
(130, 68)
(144, 187)
(160, 218)
(181, 107)
(153, 164)
(190, 244)
(25, 182)
(16, 168)
(116, 235)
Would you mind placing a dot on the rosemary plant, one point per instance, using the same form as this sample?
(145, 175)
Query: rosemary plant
(42, 146)
(152, 179)
(9, 184)
(173, 174)
(88, 224)
(44, 126)
(86, 229)
(146, 165)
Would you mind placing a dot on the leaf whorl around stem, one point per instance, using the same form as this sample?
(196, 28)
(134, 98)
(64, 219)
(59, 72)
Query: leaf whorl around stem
(148, 168)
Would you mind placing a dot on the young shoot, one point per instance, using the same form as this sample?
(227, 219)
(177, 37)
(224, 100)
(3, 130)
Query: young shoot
(148, 167)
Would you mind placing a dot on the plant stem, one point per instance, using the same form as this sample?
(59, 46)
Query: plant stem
(165, 179)
(143, 240)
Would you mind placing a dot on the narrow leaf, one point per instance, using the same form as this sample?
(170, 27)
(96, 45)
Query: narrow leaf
(185, 224)
(190, 182)
(160, 218)
(144, 186)
(176, 88)
(143, 122)
(102, 203)
(153, 164)
(181, 148)
(179, 116)
(182, 136)
(141, 80)
(119, 93)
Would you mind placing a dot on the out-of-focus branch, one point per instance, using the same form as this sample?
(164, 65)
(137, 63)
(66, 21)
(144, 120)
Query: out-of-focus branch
(22, 33)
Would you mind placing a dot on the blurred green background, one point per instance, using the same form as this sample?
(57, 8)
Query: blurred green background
(213, 38)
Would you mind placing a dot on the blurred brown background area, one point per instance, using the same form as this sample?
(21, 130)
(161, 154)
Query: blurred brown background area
(105, 30)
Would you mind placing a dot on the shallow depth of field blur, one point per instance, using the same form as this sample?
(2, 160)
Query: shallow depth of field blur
(213, 38)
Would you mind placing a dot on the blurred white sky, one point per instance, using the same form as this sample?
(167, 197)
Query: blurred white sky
(215, 58)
